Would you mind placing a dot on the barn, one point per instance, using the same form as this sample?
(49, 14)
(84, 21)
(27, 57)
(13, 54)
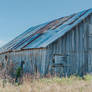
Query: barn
(62, 47)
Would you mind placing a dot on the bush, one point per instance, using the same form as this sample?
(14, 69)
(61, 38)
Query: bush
(88, 77)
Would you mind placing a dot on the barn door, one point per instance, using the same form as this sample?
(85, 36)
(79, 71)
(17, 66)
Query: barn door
(58, 64)
(90, 48)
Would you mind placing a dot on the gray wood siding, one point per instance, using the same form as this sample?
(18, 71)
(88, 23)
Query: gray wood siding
(33, 59)
(74, 45)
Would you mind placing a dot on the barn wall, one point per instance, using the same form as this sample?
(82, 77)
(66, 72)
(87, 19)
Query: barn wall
(34, 60)
(74, 45)
(90, 45)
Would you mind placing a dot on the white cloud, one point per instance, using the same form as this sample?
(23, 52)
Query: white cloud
(2, 43)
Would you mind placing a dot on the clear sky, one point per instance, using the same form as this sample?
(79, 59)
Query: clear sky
(18, 15)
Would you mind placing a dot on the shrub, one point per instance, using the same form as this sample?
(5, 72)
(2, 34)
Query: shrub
(88, 77)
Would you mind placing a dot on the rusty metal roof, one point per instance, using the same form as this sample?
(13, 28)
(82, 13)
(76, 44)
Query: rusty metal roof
(44, 34)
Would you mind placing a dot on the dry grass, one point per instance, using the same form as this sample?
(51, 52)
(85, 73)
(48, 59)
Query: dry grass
(72, 84)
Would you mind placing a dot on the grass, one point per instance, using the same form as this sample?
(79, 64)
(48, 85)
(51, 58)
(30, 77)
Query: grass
(55, 84)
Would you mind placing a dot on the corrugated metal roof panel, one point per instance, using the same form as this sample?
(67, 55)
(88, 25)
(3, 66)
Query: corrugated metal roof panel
(44, 34)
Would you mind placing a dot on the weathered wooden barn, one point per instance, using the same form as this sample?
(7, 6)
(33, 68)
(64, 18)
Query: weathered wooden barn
(62, 46)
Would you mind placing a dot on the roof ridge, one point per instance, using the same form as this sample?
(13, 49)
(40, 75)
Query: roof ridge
(35, 36)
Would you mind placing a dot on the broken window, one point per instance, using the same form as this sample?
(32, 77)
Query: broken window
(58, 60)
(58, 63)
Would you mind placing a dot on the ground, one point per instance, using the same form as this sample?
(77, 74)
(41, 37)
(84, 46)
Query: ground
(55, 84)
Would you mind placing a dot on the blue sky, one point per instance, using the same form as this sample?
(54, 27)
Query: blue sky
(18, 15)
